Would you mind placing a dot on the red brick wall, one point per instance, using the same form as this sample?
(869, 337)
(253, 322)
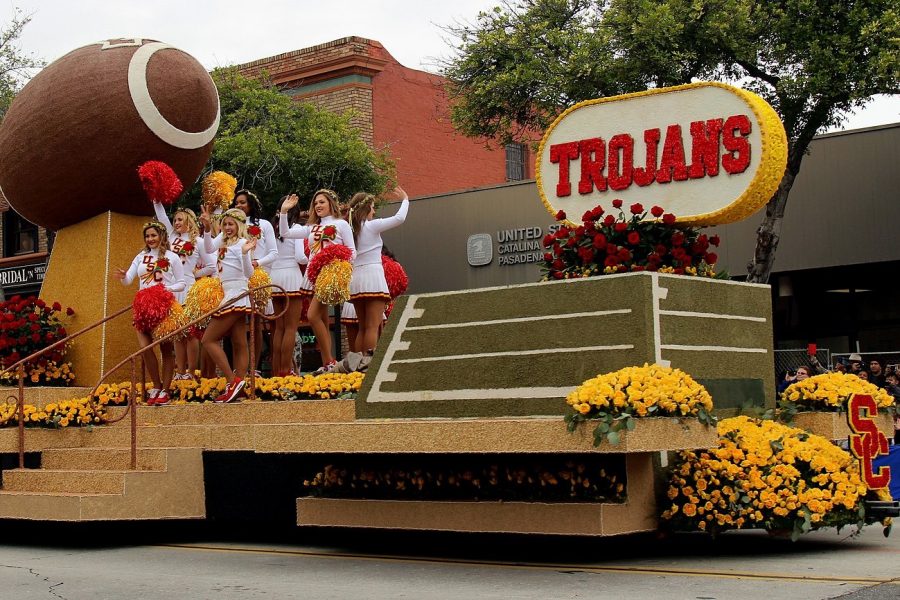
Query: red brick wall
(412, 118)
(403, 110)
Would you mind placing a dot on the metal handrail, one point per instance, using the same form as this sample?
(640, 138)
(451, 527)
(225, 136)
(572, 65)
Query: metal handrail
(130, 408)
(20, 366)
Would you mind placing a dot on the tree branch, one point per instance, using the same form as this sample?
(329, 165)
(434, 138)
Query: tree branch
(755, 71)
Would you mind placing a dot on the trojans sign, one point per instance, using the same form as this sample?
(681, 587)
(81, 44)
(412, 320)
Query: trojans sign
(710, 153)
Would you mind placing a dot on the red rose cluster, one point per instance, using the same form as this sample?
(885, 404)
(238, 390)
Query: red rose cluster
(604, 244)
(28, 325)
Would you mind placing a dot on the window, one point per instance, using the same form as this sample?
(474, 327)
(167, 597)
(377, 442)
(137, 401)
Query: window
(19, 236)
(515, 162)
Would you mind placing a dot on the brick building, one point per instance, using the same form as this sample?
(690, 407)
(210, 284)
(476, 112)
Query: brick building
(24, 250)
(403, 110)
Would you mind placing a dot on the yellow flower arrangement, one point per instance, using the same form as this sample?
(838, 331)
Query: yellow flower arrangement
(830, 392)
(764, 474)
(50, 374)
(306, 387)
(77, 412)
(67, 413)
(651, 390)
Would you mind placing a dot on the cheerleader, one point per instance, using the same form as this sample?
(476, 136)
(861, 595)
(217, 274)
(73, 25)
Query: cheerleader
(287, 274)
(322, 229)
(156, 265)
(235, 268)
(183, 234)
(368, 288)
(266, 249)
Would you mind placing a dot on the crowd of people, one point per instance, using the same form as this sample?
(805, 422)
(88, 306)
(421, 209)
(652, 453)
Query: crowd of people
(874, 371)
(230, 245)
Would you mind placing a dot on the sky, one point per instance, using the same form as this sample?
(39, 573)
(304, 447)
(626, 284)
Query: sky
(226, 32)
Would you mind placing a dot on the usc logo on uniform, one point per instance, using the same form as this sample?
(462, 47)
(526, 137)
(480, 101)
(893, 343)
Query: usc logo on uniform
(866, 441)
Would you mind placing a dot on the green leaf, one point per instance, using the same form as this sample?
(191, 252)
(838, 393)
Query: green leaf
(630, 424)
(613, 437)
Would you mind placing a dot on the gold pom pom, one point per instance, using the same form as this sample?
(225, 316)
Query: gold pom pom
(218, 189)
(174, 321)
(333, 282)
(205, 295)
(260, 297)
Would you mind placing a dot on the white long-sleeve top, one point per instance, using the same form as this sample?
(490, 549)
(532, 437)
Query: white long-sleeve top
(233, 263)
(266, 250)
(195, 263)
(369, 243)
(343, 234)
(290, 252)
(144, 268)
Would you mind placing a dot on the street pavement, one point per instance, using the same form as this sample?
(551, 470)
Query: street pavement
(197, 561)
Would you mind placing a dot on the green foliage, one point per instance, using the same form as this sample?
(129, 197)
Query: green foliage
(275, 145)
(521, 64)
(518, 66)
(15, 66)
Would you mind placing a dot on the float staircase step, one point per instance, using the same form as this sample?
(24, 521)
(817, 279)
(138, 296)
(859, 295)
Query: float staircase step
(175, 491)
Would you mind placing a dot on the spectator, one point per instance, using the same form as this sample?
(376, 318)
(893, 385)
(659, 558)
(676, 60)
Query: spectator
(855, 361)
(790, 377)
(864, 375)
(840, 367)
(876, 372)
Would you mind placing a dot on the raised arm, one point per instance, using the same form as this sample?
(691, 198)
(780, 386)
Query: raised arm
(246, 263)
(210, 244)
(379, 225)
(163, 218)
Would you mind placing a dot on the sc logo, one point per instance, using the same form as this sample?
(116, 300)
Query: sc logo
(480, 249)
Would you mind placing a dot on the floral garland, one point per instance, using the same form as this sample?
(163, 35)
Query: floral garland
(604, 245)
(829, 392)
(766, 475)
(616, 398)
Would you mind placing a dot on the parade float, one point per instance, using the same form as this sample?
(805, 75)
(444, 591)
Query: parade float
(585, 404)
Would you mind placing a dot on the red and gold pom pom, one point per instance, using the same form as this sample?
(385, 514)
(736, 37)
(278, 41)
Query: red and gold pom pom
(261, 296)
(160, 182)
(325, 256)
(205, 295)
(175, 320)
(218, 189)
(333, 282)
(395, 275)
(151, 305)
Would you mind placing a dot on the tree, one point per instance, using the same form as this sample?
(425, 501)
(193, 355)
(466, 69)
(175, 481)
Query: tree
(15, 65)
(275, 145)
(518, 66)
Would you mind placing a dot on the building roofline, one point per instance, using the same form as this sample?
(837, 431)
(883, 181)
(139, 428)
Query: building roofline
(309, 50)
(859, 130)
